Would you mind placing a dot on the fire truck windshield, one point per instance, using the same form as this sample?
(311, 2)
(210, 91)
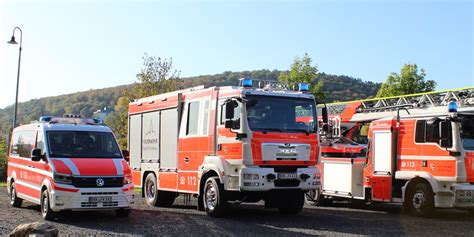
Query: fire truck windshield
(281, 114)
(82, 144)
(467, 131)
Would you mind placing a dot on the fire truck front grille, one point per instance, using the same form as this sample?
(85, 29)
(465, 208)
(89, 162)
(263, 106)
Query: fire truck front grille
(287, 183)
(95, 182)
(105, 204)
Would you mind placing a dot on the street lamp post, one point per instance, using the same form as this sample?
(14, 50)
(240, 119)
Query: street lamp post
(13, 41)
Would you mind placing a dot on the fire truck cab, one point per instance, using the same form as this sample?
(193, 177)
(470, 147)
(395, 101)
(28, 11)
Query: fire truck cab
(420, 156)
(225, 145)
(68, 163)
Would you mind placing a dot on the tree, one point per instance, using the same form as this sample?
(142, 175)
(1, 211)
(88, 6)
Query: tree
(301, 70)
(157, 76)
(410, 81)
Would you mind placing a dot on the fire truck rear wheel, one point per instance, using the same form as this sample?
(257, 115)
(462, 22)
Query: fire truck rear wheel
(15, 201)
(292, 203)
(155, 197)
(214, 200)
(420, 200)
(46, 211)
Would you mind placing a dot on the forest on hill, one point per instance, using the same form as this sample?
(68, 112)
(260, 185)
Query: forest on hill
(340, 88)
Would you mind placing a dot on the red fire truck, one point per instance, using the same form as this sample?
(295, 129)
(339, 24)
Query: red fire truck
(419, 151)
(225, 145)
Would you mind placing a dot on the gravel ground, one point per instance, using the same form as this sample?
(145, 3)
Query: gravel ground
(244, 220)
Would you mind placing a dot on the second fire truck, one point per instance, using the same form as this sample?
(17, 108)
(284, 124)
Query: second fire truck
(226, 145)
(416, 149)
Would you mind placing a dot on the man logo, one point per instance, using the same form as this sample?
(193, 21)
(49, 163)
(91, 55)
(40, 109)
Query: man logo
(100, 182)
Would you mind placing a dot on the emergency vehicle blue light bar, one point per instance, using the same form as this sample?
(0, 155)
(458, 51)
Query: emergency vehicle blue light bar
(247, 82)
(303, 86)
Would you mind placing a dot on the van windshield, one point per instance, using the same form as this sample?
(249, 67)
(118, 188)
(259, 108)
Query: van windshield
(467, 131)
(82, 144)
(281, 114)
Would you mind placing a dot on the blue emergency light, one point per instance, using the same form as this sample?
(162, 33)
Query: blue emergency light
(247, 82)
(303, 86)
(452, 107)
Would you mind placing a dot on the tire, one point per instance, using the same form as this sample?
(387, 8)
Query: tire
(122, 213)
(215, 203)
(312, 197)
(15, 201)
(155, 197)
(292, 203)
(46, 211)
(420, 200)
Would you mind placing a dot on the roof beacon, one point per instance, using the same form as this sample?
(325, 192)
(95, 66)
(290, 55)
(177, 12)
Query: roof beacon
(246, 82)
(303, 87)
(452, 107)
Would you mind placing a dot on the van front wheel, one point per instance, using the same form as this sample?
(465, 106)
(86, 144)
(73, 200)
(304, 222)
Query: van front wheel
(46, 211)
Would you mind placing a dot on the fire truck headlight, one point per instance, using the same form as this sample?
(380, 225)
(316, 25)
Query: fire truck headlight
(251, 176)
(62, 178)
(463, 194)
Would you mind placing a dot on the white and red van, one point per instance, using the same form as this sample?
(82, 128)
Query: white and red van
(68, 163)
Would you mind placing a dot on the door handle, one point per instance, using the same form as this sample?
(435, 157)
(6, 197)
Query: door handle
(186, 159)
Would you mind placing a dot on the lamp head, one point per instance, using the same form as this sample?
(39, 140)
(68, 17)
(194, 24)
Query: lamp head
(12, 41)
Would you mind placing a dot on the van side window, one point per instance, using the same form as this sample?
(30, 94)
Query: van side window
(193, 118)
(427, 131)
(22, 143)
(40, 141)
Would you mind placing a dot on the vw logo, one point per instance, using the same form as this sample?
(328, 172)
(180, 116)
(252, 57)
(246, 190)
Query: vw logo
(100, 182)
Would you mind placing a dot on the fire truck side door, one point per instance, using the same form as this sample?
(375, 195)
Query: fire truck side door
(382, 155)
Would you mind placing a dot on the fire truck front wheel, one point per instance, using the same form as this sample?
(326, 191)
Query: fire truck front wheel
(15, 201)
(155, 197)
(214, 200)
(420, 200)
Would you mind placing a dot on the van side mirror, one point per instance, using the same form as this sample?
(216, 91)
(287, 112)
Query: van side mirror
(37, 154)
(229, 109)
(445, 132)
(126, 155)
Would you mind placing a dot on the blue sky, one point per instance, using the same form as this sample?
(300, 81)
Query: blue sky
(80, 45)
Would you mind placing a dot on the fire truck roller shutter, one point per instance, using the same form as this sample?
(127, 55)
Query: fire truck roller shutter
(151, 137)
(134, 140)
(169, 141)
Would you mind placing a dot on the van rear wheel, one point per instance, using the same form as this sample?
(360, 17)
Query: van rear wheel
(15, 201)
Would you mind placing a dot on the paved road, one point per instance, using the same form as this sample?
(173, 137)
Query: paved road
(245, 220)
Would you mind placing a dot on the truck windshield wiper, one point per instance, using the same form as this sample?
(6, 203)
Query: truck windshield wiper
(298, 130)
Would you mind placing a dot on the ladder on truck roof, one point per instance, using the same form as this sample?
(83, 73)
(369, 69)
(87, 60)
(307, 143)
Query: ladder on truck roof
(420, 103)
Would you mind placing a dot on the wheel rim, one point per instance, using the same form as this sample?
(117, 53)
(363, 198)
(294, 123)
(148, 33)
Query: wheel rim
(45, 204)
(211, 197)
(150, 190)
(12, 194)
(312, 195)
(419, 200)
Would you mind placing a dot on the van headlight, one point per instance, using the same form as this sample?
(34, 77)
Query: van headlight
(62, 178)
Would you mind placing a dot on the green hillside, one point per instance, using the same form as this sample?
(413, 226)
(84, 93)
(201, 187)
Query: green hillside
(340, 88)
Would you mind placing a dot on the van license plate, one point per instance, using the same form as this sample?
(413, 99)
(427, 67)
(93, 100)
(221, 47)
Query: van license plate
(99, 199)
(287, 176)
